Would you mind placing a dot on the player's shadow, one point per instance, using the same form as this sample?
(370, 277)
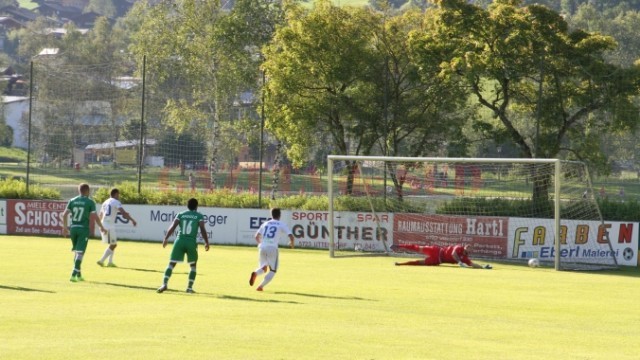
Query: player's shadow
(241, 298)
(153, 270)
(183, 293)
(323, 296)
(126, 286)
(142, 270)
(20, 288)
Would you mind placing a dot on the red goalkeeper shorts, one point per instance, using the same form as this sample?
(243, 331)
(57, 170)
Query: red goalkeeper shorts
(432, 255)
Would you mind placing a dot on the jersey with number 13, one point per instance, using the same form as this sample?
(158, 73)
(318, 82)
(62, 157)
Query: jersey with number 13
(189, 224)
(269, 231)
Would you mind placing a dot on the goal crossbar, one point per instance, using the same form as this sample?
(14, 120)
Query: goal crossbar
(554, 191)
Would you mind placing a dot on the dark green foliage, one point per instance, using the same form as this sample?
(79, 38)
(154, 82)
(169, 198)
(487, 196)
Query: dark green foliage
(610, 210)
(496, 207)
(6, 135)
(620, 210)
(182, 148)
(219, 198)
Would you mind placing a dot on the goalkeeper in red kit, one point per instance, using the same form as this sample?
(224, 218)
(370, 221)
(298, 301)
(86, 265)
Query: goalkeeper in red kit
(436, 255)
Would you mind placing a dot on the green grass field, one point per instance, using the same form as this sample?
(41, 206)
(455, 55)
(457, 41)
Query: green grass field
(317, 307)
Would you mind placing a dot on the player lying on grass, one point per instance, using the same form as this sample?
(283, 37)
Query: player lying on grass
(188, 223)
(436, 255)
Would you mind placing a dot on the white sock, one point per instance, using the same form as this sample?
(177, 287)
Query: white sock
(106, 254)
(267, 278)
(259, 271)
(111, 256)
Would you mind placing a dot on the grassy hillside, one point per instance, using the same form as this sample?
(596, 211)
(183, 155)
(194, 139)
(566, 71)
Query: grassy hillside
(12, 155)
(27, 4)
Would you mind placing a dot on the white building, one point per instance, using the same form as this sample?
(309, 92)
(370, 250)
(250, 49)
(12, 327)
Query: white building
(15, 107)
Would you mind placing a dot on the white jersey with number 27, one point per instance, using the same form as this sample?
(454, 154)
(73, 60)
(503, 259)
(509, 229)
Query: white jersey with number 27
(271, 231)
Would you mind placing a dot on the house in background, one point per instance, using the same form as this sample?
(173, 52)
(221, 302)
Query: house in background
(7, 23)
(15, 107)
(18, 14)
(87, 20)
(58, 11)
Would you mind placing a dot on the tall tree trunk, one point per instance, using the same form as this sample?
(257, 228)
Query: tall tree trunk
(215, 135)
(398, 182)
(540, 196)
(277, 162)
(352, 167)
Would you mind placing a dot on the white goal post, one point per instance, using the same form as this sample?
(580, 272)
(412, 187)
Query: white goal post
(506, 209)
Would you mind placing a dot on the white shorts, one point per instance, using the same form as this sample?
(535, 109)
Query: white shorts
(110, 237)
(268, 257)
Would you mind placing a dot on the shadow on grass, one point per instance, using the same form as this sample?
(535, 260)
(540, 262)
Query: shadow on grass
(142, 270)
(323, 296)
(183, 293)
(626, 271)
(361, 255)
(151, 270)
(135, 287)
(20, 288)
(231, 297)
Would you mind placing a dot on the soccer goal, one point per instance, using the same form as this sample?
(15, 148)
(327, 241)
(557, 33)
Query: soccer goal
(506, 209)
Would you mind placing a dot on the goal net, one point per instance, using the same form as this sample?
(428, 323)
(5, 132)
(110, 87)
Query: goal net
(505, 209)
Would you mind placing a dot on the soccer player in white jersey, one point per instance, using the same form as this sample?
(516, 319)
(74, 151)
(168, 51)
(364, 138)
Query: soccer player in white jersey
(267, 238)
(108, 214)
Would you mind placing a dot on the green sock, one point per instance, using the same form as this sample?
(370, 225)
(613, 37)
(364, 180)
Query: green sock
(192, 277)
(167, 274)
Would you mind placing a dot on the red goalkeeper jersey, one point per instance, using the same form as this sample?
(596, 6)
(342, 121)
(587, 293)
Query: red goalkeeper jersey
(448, 251)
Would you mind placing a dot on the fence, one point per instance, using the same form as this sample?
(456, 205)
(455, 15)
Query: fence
(89, 123)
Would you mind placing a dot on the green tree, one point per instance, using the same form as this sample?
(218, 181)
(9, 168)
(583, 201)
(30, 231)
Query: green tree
(32, 39)
(6, 132)
(186, 148)
(198, 60)
(549, 89)
(102, 7)
(619, 22)
(414, 114)
(315, 66)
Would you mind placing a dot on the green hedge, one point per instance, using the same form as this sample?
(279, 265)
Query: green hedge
(628, 210)
(611, 210)
(230, 199)
(12, 188)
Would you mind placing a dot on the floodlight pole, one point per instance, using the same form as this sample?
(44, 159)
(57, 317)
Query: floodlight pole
(557, 213)
(141, 144)
(330, 192)
(29, 129)
(261, 142)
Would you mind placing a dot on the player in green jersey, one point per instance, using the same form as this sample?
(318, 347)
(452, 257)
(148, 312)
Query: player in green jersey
(83, 211)
(189, 222)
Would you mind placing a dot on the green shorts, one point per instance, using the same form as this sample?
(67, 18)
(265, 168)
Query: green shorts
(181, 247)
(79, 238)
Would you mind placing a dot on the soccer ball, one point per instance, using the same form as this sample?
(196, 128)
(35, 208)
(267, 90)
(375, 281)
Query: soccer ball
(534, 262)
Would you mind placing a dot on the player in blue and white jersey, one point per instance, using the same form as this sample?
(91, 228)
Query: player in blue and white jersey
(108, 213)
(267, 238)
